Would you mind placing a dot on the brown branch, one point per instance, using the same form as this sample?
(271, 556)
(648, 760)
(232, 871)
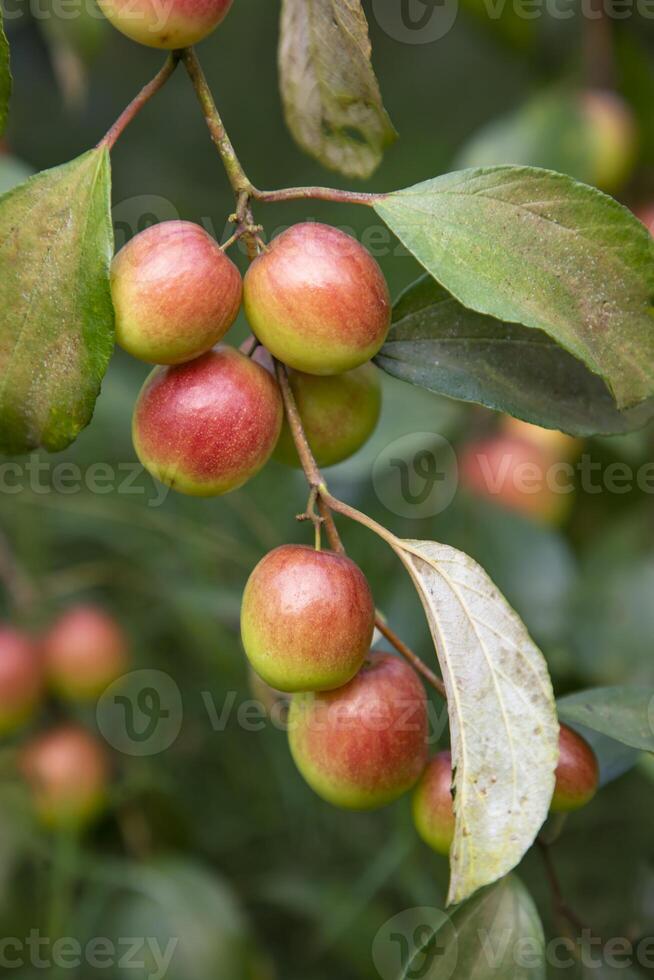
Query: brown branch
(316, 194)
(563, 914)
(326, 503)
(236, 175)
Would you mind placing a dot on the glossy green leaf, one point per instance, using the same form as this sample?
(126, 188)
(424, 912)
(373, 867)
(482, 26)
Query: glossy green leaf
(56, 333)
(5, 77)
(625, 714)
(331, 97)
(496, 935)
(437, 343)
(537, 248)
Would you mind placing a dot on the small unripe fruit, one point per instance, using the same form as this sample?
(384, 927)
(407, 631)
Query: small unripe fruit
(364, 745)
(516, 474)
(307, 619)
(318, 300)
(433, 808)
(204, 428)
(84, 652)
(21, 679)
(577, 773)
(171, 25)
(339, 414)
(68, 773)
(175, 293)
(613, 138)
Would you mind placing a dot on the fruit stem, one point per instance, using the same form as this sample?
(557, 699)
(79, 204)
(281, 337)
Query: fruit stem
(416, 662)
(563, 914)
(144, 96)
(327, 503)
(242, 186)
(316, 193)
(236, 175)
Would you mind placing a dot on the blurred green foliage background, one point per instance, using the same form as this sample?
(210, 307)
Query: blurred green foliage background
(217, 839)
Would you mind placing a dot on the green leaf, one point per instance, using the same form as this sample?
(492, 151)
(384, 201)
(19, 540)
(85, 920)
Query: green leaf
(625, 714)
(535, 247)
(5, 77)
(497, 935)
(503, 724)
(191, 916)
(437, 343)
(331, 97)
(56, 335)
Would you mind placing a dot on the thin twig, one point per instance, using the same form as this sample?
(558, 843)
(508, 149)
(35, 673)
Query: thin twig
(562, 911)
(416, 662)
(144, 96)
(236, 175)
(325, 501)
(243, 187)
(316, 194)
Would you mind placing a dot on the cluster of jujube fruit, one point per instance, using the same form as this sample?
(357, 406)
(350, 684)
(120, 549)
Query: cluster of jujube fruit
(209, 416)
(358, 720)
(65, 766)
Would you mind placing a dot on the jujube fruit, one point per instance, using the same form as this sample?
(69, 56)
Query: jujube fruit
(175, 293)
(21, 678)
(67, 771)
(84, 651)
(364, 745)
(577, 773)
(613, 138)
(318, 300)
(558, 444)
(205, 427)
(307, 619)
(517, 474)
(169, 25)
(433, 807)
(339, 414)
